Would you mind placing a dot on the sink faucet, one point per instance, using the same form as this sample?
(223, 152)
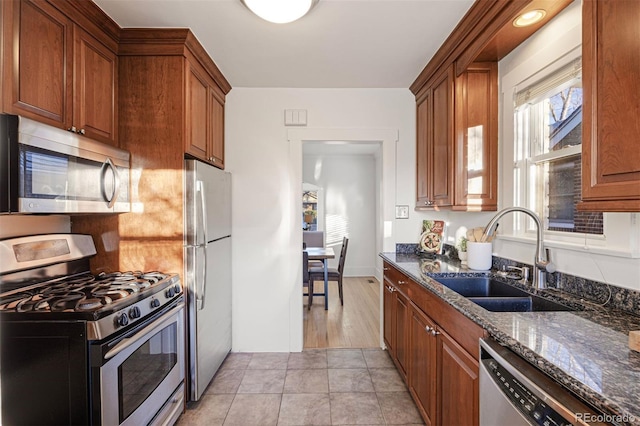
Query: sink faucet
(541, 263)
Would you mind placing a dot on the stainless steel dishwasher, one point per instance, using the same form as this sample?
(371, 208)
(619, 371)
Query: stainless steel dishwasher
(513, 392)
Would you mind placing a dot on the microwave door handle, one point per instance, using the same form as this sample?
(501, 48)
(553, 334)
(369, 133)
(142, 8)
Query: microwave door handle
(116, 182)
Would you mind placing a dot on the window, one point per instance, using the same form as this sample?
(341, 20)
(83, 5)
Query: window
(548, 138)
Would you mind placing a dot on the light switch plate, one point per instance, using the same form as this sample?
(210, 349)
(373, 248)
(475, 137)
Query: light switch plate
(402, 212)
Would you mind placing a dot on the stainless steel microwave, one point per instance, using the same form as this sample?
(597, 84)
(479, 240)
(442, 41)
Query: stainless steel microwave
(44, 169)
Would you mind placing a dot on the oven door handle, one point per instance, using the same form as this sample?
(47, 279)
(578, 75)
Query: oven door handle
(150, 329)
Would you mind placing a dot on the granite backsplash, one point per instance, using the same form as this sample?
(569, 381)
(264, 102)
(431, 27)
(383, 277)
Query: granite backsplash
(590, 291)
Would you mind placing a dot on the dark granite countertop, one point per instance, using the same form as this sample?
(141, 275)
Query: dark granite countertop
(585, 350)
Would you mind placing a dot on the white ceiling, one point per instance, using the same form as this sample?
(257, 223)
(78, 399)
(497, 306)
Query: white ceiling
(341, 43)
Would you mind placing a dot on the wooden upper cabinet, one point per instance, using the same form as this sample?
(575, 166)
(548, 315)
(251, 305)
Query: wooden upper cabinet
(441, 152)
(611, 106)
(216, 126)
(38, 46)
(424, 136)
(205, 116)
(434, 143)
(95, 89)
(476, 144)
(197, 91)
(56, 72)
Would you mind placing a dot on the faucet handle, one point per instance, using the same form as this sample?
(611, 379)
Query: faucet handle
(546, 265)
(550, 267)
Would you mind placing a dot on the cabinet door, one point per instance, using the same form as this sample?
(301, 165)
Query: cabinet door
(424, 133)
(95, 89)
(216, 127)
(197, 120)
(611, 71)
(441, 151)
(38, 42)
(476, 170)
(402, 333)
(422, 370)
(389, 317)
(458, 383)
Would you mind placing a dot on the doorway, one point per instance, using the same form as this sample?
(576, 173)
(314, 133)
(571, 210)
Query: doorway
(344, 179)
(385, 203)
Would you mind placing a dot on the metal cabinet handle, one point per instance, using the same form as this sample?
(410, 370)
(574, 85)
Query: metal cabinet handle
(81, 131)
(432, 330)
(72, 129)
(402, 282)
(385, 269)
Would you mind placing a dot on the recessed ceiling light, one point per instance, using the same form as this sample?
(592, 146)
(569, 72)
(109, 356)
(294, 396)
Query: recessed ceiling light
(280, 11)
(529, 18)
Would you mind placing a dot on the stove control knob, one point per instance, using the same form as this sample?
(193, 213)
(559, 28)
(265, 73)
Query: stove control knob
(134, 312)
(155, 303)
(169, 293)
(177, 289)
(122, 320)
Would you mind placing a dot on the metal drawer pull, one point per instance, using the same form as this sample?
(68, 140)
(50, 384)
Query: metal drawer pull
(402, 282)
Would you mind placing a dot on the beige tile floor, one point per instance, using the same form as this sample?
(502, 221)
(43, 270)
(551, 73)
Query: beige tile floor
(313, 387)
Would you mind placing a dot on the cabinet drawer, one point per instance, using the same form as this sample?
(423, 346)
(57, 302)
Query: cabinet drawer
(460, 328)
(395, 277)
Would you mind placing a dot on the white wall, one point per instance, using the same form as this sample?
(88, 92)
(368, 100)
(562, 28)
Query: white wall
(349, 185)
(267, 178)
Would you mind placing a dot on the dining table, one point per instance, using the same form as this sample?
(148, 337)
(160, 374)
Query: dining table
(323, 254)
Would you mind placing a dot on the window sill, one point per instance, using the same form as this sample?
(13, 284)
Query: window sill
(577, 246)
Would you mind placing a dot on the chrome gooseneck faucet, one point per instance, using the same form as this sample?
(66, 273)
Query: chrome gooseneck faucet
(541, 263)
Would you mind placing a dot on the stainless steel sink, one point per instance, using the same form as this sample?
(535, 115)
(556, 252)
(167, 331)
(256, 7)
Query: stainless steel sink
(497, 296)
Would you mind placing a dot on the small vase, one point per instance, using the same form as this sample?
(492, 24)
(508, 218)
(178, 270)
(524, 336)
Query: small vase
(462, 255)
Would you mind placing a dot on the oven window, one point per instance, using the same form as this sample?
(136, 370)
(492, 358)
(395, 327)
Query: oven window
(141, 373)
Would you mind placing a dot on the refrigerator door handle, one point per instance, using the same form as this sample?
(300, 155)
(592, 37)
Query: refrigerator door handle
(203, 211)
(200, 295)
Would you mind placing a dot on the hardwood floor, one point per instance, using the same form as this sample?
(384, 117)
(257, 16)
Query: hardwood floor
(354, 325)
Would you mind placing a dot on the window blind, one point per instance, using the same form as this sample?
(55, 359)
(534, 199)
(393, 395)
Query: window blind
(542, 87)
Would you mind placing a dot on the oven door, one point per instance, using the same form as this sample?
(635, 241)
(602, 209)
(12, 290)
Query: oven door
(140, 373)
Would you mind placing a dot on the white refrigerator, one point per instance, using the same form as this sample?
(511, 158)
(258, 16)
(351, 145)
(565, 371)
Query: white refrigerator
(207, 275)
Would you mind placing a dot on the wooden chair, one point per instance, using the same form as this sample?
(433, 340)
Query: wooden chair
(317, 274)
(305, 279)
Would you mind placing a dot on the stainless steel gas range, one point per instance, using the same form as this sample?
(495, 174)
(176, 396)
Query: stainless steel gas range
(81, 349)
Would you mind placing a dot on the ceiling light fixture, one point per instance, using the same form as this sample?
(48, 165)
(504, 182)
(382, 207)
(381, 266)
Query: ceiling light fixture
(280, 11)
(529, 18)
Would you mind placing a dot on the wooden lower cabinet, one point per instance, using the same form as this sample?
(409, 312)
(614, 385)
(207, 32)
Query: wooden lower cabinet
(396, 311)
(402, 333)
(423, 373)
(440, 370)
(458, 383)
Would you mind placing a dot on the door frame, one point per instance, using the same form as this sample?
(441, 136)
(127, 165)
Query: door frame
(385, 241)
